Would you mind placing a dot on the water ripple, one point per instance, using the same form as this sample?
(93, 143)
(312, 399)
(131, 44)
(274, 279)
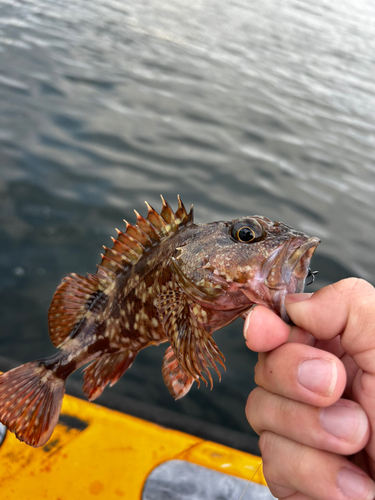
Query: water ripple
(104, 105)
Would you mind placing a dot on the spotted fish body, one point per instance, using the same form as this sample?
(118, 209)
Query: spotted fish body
(164, 279)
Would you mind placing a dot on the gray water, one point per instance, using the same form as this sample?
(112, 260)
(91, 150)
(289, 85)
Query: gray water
(239, 106)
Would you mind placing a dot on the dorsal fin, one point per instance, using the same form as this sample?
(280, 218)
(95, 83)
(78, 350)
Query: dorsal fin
(77, 294)
(130, 245)
(73, 298)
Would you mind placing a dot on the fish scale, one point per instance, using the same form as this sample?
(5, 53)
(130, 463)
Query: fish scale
(165, 279)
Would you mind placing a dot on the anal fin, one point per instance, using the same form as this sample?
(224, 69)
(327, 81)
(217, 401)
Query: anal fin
(106, 370)
(175, 378)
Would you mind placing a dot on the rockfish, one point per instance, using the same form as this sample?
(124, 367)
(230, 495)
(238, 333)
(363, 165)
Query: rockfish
(165, 279)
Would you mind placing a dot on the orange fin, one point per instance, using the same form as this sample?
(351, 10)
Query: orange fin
(105, 370)
(30, 402)
(175, 378)
(194, 348)
(73, 298)
(130, 245)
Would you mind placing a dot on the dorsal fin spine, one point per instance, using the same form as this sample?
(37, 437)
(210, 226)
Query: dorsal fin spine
(103, 272)
(124, 253)
(128, 243)
(79, 293)
(73, 301)
(137, 233)
(156, 220)
(120, 257)
(124, 249)
(190, 216)
(126, 238)
(167, 214)
(147, 224)
(113, 263)
(181, 213)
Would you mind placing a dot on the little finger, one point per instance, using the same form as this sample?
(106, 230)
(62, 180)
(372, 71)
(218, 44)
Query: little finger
(291, 467)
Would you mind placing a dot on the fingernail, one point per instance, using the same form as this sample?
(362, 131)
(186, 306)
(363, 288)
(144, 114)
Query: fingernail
(355, 485)
(344, 422)
(247, 322)
(292, 298)
(318, 375)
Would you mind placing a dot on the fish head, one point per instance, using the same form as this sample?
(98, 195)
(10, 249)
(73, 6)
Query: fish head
(253, 260)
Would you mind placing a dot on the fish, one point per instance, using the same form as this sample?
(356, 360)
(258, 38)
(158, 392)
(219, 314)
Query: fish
(165, 279)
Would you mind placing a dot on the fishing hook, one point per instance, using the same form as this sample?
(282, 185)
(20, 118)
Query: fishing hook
(311, 274)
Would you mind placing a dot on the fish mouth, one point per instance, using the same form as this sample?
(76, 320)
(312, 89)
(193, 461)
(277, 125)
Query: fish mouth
(287, 271)
(290, 262)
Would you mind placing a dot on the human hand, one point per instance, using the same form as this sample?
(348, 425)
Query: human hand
(314, 407)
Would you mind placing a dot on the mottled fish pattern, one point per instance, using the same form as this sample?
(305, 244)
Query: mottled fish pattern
(166, 279)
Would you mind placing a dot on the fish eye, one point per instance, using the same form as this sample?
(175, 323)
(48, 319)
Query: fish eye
(247, 231)
(245, 234)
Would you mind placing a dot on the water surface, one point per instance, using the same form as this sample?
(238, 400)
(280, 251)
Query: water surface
(262, 107)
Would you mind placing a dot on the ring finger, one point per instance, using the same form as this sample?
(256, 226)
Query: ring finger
(342, 428)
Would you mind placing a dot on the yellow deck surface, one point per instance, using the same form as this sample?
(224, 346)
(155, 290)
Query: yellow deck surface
(111, 458)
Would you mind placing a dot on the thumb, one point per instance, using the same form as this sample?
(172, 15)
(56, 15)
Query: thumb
(346, 308)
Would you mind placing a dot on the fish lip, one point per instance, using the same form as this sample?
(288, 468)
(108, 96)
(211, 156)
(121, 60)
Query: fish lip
(285, 271)
(294, 273)
(298, 261)
(290, 261)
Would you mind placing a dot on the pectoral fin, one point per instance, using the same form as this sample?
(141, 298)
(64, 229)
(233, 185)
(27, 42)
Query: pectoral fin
(194, 348)
(175, 378)
(202, 295)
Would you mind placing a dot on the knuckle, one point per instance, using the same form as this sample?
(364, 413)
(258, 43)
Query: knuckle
(252, 407)
(266, 444)
(360, 283)
(361, 317)
(355, 288)
(354, 298)
(259, 368)
(251, 400)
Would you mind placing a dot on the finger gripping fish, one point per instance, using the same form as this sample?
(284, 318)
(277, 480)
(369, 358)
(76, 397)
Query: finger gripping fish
(165, 279)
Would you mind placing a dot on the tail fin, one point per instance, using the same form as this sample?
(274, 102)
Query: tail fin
(30, 402)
